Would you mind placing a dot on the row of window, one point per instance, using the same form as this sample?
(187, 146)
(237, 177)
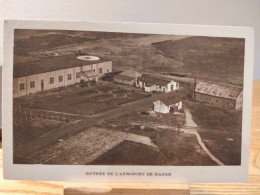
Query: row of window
(51, 80)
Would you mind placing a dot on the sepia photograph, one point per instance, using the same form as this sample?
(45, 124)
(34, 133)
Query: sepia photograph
(113, 98)
(126, 102)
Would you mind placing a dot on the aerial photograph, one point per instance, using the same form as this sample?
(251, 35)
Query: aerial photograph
(111, 98)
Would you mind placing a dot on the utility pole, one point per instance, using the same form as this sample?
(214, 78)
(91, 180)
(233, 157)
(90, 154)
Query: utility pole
(178, 132)
(195, 81)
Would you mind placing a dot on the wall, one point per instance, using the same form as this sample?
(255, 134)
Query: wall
(161, 107)
(106, 66)
(216, 101)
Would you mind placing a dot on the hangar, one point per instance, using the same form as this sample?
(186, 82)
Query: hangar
(219, 95)
(58, 71)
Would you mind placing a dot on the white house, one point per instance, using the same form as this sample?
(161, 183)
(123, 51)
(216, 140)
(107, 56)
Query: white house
(156, 84)
(167, 105)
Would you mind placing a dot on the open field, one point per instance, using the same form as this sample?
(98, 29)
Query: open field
(213, 58)
(107, 143)
(220, 130)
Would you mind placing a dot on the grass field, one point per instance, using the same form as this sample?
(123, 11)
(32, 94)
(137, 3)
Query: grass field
(174, 148)
(30, 131)
(221, 131)
(212, 58)
(219, 59)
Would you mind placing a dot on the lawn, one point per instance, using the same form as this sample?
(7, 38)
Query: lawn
(220, 130)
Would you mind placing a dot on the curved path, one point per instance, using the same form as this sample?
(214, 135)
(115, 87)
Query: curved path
(191, 123)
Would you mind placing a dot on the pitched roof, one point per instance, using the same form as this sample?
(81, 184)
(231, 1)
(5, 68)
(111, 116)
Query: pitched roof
(49, 64)
(219, 90)
(169, 101)
(153, 81)
(130, 73)
(124, 77)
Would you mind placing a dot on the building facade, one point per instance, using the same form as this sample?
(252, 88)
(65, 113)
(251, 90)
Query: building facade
(33, 83)
(123, 79)
(219, 95)
(127, 77)
(156, 85)
(167, 105)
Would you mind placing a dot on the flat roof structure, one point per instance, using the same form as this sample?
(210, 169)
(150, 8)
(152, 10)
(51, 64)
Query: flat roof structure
(48, 64)
(124, 77)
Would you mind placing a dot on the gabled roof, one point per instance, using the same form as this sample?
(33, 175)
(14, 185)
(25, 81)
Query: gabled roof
(153, 81)
(124, 77)
(49, 64)
(219, 90)
(169, 101)
(130, 73)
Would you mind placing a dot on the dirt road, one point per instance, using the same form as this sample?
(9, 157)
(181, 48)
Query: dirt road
(191, 123)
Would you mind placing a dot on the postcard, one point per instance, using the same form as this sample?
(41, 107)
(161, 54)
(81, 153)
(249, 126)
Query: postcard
(126, 102)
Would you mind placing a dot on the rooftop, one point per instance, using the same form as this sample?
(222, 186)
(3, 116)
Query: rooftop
(153, 81)
(124, 77)
(49, 64)
(130, 73)
(169, 100)
(219, 90)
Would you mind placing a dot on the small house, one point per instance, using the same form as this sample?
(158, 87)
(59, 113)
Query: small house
(167, 105)
(156, 84)
(127, 77)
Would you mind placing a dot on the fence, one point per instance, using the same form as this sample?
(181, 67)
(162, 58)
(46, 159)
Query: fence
(23, 115)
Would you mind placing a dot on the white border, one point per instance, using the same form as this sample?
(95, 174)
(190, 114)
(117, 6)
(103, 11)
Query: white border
(180, 174)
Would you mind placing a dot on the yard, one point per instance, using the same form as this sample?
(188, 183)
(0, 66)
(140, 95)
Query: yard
(82, 101)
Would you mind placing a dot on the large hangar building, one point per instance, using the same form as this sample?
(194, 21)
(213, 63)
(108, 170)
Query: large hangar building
(58, 71)
(219, 95)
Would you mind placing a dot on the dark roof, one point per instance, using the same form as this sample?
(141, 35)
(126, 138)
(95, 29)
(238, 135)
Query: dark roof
(124, 77)
(49, 64)
(153, 81)
(219, 90)
(170, 100)
(130, 73)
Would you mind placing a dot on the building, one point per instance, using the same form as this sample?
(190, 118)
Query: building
(219, 95)
(127, 77)
(53, 72)
(156, 85)
(167, 105)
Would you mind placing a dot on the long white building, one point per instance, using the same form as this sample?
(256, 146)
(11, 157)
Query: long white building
(156, 84)
(53, 72)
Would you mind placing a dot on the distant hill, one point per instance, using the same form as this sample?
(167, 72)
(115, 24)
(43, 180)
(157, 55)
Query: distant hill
(221, 58)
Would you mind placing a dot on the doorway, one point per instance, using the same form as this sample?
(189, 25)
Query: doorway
(42, 85)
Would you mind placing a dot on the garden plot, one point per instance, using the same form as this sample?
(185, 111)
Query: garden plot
(86, 101)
